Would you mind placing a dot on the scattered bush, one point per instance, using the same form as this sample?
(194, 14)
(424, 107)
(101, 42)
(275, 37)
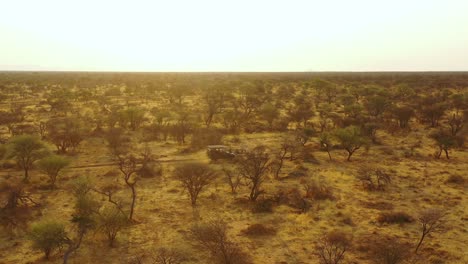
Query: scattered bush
(150, 169)
(110, 222)
(317, 190)
(213, 237)
(259, 230)
(332, 247)
(456, 179)
(47, 236)
(168, 256)
(379, 205)
(394, 218)
(294, 199)
(263, 206)
(389, 251)
(374, 178)
(51, 166)
(203, 137)
(194, 178)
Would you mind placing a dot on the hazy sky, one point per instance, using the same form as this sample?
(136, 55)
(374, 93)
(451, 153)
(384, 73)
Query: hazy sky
(237, 35)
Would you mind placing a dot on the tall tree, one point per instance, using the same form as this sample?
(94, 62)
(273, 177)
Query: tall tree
(26, 149)
(253, 167)
(351, 139)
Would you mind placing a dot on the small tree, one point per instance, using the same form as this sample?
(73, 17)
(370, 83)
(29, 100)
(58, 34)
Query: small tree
(253, 167)
(52, 165)
(66, 133)
(287, 146)
(110, 222)
(403, 115)
(389, 251)
(47, 236)
(332, 247)
(128, 166)
(194, 178)
(326, 143)
(84, 216)
(373, 178)
(444, 141)
(168, 256)
(233, 179)
(431, 221)
(26, 149)
(15, 195)
(350, 139)
(213, 237)
(269, 113)
(132, 117)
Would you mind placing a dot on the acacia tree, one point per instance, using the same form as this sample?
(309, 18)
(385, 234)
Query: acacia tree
(214, 99)
(325, 88)
(376, 105)
(110, 222)
(332, 247)
(326, 143)
(403, 115)
(47, 236)
(302, 110)
(26, 149)
(129, 167)
(287, 146)
(233, 179)
(213, 237)
(350, 139)
(132, 117)
(52, 165)
(444, 141)
(15, 195)
(432, 111)
(65, 133)
(456, 124)
(84, 215)
(194, 178)
(250, 97)
(120, 147)
(389, 251)
(253, 167)
(269, 113)
(431, 221)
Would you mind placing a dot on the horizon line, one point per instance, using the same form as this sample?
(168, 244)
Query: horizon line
(110, 71)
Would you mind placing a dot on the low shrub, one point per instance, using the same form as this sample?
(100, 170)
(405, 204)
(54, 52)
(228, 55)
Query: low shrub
(263, 206)
(259, 230)
(455, 179)
(394, 218)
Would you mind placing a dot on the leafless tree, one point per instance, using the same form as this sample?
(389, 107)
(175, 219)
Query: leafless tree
(129, 167)
(332, 247)
(194, 178)
(287, 146)
(233, 179)
(431, 221)
(389, 251)
(253, 167)
(213, 237)
(374, 178)
(168, 256)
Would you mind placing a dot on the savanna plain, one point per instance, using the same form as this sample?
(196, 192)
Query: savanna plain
(233, 168)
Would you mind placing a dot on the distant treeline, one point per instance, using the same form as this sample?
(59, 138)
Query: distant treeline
(136, 79)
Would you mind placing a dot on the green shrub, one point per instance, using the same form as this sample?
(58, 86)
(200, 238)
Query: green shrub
(52, 165)
(47, 236)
